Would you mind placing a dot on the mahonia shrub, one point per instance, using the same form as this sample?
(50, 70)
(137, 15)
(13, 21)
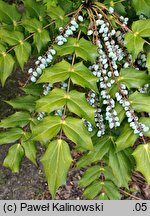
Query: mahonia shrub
(89, 85)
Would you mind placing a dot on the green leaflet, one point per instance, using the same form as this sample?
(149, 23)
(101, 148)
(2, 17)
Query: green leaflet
(5, 68)
(133, 78)
(9, 16)
(56, 161)
(57, 14)
(14, 157)
(79, 74)
(23, 51)
(126, 139)
(82, 48)
(41, 39)
(10, 136)
(140, 102)
(93, 173)
(54, 100)
(121, 166)
(97, 153)
(29, 147)
(142, 157)
(32, 89)
(11, 37)
(47, 129)
(75, 101)
(142, 6)
(93, 190)
(142, 27)
(75, 130)
(36, 9)
(20, 119)
(111, 191)
(24, 102)
(90, 175)
(32, 25)
(134, 41)
(134, 44)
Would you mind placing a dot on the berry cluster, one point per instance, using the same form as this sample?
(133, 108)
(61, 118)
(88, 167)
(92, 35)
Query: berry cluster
(122, 98)
(41, 64)
(141, 60)
(99, 120)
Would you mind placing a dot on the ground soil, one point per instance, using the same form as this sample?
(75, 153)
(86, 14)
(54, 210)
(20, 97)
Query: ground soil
(30, 182)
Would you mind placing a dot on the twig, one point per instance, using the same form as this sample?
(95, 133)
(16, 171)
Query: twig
(131, 195)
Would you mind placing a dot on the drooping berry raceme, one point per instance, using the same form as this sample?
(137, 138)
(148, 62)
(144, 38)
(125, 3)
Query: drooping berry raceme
(93, 99)
(44, 61)
(107, 70)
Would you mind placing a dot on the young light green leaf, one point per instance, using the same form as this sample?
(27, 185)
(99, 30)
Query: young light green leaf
(20, 119)
(126, 139)
(11, 37)
(29, 147)
(75, 130)
(47, 129)
(5, 68)
(100, 149)
(134, 44)
(56, 161)
(23, 51)
(10, 136)
(142, 157)
(14, 157)
(140, 102)
(78, 73)
(142, 27)
(121, 167)
(82, 48)
(142, 6)
(133, 78)
(24, 102)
